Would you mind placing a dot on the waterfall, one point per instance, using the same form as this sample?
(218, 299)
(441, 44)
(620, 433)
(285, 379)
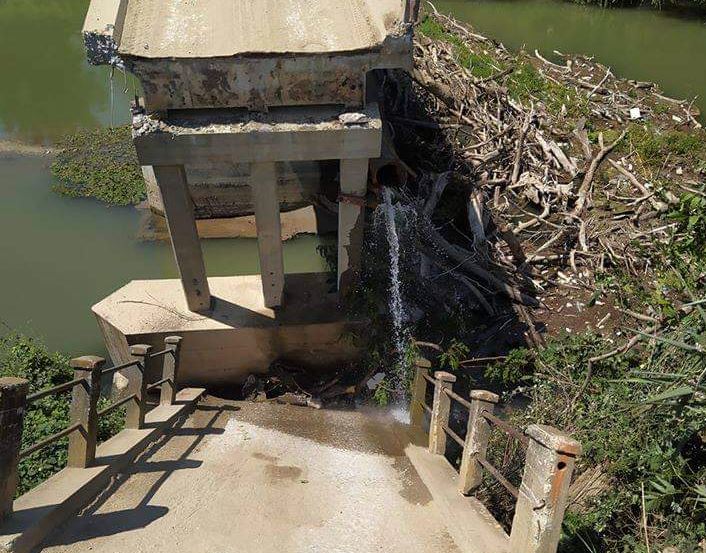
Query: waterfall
(385, 221)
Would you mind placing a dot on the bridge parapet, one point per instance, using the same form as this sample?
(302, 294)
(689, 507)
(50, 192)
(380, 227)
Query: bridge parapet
(549, 462)
(89, 466)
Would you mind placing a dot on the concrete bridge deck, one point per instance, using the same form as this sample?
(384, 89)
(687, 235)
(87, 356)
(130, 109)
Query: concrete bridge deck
(241, 477)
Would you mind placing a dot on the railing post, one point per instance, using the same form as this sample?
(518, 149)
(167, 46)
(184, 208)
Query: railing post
(13, 403)
(170, 370)
(419, 391)
(84, 410)
(440, 412)
(539, 512)
(477, 436)
(137, 385)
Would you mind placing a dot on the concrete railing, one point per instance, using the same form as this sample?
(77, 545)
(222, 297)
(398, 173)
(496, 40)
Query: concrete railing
(550, 457)
(84, 414)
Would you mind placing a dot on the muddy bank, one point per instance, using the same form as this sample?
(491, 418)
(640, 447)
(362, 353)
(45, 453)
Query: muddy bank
(11, 149)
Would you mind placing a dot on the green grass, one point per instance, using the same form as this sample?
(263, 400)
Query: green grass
(653, 145)
(100, 164)
(480, 65)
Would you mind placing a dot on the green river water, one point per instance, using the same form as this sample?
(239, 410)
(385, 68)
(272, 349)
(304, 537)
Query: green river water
(58, 256)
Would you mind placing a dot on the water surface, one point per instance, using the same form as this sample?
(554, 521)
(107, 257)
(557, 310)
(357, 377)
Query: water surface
(60, 255)
(639, 44)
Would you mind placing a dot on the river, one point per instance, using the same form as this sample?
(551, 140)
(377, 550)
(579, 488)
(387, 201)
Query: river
(59, 255)
(641, 44)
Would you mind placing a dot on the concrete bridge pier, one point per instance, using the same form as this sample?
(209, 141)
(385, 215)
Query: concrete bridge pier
(179, 212)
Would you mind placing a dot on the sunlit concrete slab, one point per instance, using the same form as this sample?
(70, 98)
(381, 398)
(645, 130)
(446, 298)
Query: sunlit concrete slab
(240, 335)
(254, 478)
(226, 53)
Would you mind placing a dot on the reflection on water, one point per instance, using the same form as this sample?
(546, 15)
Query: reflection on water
(638, 44)
(60, 255)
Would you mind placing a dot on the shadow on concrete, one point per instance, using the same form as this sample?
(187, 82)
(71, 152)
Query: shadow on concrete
(116, 522)
(92, 524)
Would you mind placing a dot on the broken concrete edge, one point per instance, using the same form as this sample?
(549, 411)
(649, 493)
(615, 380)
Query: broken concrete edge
(102, 29)
(472, 527)
(554, 439)
(43, 509)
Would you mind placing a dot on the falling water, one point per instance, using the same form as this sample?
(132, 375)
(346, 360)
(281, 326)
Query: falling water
(387, 210)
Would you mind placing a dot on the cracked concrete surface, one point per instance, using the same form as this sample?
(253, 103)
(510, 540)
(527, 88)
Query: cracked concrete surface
(266, 478)
(211, 28)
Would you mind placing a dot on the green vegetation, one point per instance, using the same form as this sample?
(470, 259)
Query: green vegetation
(24, 357)
(480, 64)
(654, 145)
(101, 164)
(525, 83)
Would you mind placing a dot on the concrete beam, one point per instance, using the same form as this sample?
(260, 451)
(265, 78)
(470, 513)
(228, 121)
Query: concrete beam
(269, 231)
(351, 219)
(178, 209)
(284, 134)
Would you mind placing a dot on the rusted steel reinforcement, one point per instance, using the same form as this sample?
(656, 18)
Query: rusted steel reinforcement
(117, 404)
(117, 368)
(55, 389)
(506, 427)
(498, 476)
(50, 439)
(158, 384)
(160, 353)
(453, 395)
(455, 437)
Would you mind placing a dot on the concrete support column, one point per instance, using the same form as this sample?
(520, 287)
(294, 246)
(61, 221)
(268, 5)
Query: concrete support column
(13, 403)
(84, 410)
(179, 212)
(419, 391)
(478, 431)
(440, 412)
(351, 218)
(263, 184)
(137, 385)
(539, 512)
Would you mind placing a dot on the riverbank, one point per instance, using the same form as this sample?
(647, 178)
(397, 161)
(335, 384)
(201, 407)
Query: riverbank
(558, 212)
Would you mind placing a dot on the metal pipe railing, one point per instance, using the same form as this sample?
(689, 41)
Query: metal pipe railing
(550, 457)
(84, 414)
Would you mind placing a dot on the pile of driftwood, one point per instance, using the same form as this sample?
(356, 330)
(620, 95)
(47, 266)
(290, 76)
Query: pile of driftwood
(539, 207)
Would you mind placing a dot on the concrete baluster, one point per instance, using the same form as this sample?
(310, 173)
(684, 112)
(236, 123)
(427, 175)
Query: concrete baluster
(440, 412)
(170, 370)
(419, 391)
(539, 512)
(84, 410)
(13, 403)
(477, 437)
(137, 385)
